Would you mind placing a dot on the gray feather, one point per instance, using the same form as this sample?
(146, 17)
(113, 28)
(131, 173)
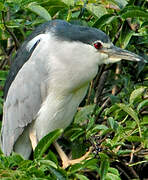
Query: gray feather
(23, 100)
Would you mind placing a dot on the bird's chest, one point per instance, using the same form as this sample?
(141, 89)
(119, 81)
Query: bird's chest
(58, 112)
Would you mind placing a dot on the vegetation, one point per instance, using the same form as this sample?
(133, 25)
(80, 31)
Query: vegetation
(113, 118)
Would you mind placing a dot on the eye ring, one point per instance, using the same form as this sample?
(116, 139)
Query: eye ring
(98, 45)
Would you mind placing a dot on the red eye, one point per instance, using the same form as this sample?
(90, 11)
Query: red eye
(98, 45)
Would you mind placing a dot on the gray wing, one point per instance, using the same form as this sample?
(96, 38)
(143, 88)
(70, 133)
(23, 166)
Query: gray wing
(24, 97)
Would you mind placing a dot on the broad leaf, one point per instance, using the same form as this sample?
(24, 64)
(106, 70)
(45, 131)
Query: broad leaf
(134, 139)
(126, 35)
(111, 176)
(113, 171)
(121, 3)
(142, 104)
(132, 113)
(81, 177)
(135, 13)
(44, 143)
(69, 2)
(97, 10)
(104, 168)
(83, 114)
(136, 94)
(39, 10)
(104, 20)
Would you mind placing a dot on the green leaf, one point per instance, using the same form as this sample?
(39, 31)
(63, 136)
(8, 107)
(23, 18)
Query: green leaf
(96, 129)
(126, 151)
(97, 10)
(91, 122)
(48, 163)
(81, 177)
(76, 167)
(104, 168)
(132, 113)
(103, 20)
(131, 8)
(113, 124)
(25, 164)
(111, 176)
(136, 94)
(100, 127)
(111, 110)
(14, 160)
(134, 139)
(103, 156)
(76, 135)
(51, 156)
(145, 118)
(135, 13)
(45, 142)
(3, 75)
(125, 35)
(83, 114)
(121, 3)
(69, 2)
(90, 162)
(144, 24)
(39, 10)
(72, 130)
(113, 171)
(37, 172)
(2, 8)
(39, 178)
(78, 149)
(17, 158)
(142, 104)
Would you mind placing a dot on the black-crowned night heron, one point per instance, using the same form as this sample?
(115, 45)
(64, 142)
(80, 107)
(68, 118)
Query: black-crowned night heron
(48, 80)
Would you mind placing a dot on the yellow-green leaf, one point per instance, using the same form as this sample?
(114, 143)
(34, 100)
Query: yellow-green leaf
(136, 93)
(130, 112)
(98, 10)
(39, 10)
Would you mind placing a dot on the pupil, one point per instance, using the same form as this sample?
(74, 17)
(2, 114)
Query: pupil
(98, 45)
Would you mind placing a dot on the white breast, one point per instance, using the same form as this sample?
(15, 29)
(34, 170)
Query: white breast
(57, 112)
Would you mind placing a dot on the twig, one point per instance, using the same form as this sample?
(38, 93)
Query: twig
(7, 57)
(101, 70)
(110, 6)
(17, 44)
(133, 172)
(122, 171)
(5, 60)
(106, 103)
(83, 10)
(132, 155)
(89, 93)
(100, 86)
(133, 27)
(115, 91)
(117, 72)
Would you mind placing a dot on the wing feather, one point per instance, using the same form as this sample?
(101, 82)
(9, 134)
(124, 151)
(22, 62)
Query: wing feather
(24, 97)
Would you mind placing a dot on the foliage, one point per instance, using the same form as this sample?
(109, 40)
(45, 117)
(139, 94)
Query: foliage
(113, 119)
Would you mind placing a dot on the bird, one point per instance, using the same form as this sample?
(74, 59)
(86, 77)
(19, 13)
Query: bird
(48, 80)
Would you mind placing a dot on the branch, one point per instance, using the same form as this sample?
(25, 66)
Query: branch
(17, 44)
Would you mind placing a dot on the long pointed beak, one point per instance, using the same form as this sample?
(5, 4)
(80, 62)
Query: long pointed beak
(116, 54)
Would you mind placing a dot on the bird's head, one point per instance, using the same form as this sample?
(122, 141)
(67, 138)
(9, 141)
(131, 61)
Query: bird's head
(96, 40)
(74, 52)
(78, 40)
